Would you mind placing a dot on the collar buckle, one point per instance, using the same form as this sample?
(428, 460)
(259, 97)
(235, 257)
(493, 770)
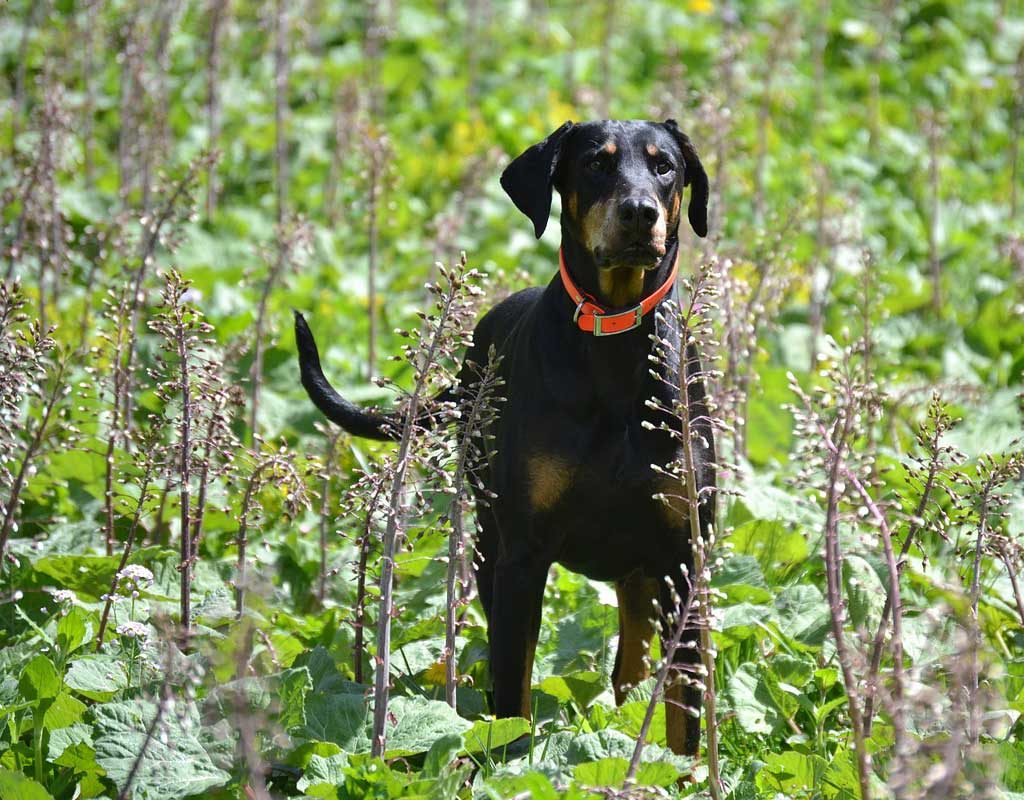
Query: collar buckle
(638, 317)
(579, 308)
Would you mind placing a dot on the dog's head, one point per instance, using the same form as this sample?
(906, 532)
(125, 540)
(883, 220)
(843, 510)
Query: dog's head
(621, 185)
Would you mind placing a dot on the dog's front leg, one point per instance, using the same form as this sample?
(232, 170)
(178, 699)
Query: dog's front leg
(519, 579)
(683, 695)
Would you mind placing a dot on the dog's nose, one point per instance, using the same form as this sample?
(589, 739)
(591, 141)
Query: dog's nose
(638, 213)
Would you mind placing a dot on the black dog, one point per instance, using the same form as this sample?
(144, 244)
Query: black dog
(572, 465)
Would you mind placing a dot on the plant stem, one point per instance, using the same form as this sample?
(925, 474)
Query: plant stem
(659, 685)
(1015, 135)
(58, 391)
(974, 731)
(932, 130)
(697, 547)
(456, 538)
(1018, 598)
(218, 11)
(147, 251)
(252, 486)
(833, 574)
(184, 469)
(393, 530)
(325, 494)
(128, 544)
(876, 644)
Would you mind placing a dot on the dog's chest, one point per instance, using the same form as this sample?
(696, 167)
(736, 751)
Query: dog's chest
(604, 502)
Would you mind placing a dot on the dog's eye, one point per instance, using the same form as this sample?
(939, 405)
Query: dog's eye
(664, 167)
(596, 165)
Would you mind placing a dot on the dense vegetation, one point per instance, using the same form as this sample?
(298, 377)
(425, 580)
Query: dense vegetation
(177, 176)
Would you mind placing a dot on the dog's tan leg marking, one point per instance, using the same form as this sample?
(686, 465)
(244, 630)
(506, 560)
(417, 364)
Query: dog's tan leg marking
(675, 509)
(526, 709)
(549, 477)
(636, 627)
(675, 716)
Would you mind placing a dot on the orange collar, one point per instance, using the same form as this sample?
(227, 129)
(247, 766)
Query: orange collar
(595, 319)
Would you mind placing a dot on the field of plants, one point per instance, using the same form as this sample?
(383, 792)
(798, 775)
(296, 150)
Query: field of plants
(193, 582)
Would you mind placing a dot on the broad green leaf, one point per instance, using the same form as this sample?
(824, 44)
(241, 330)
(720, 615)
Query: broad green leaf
(793, 670)
(174, 764)
(749, 701)
(769, 427)
(534, 785)
(611, 743)
(656, 773)
(791, 772)
(322, 672)
(416, 723)
(63, 711)
(340, 718)
(803, 615)
(321, 776)
(776, 548)
(98, 677)
(576, 642)
(580, 687)
(90, 576)
(865, 595)
(62, 738)
(495, 733)
(293, 685)
(741, 580)
(16, 786)
(605, 773)
(840, 781)
(441, 753)
(630, 716)
(39, 679)
(73, 629)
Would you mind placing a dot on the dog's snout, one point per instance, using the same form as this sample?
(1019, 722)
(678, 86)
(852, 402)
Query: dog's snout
(638, 213)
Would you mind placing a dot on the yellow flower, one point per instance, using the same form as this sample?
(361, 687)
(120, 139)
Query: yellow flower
(700, 6)
(435, 674)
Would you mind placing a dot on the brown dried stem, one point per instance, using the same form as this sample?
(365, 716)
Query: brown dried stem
(149, 468)
(837, 608)
(683, 618)
(57, 392)
(218, 13)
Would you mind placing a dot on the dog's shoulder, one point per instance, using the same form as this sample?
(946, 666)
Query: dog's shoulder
(503, 319)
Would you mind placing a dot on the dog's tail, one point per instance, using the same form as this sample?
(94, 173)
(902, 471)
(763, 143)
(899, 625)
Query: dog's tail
(357, 421)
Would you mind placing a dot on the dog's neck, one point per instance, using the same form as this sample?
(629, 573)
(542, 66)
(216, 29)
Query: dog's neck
(614, 288)
(618, 365)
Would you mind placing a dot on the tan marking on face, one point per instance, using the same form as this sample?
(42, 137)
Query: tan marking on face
(636, 628)
(610, 148)
(652, 150)
(572, 203)
(660, 229)
(621, 285)
(598, 225)
(675, 208)
(548, 478)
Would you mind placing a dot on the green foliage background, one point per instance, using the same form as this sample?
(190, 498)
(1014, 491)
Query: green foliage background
(844, 117)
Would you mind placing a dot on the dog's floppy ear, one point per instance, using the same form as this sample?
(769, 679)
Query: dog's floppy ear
(695, 177)
(529, 178)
